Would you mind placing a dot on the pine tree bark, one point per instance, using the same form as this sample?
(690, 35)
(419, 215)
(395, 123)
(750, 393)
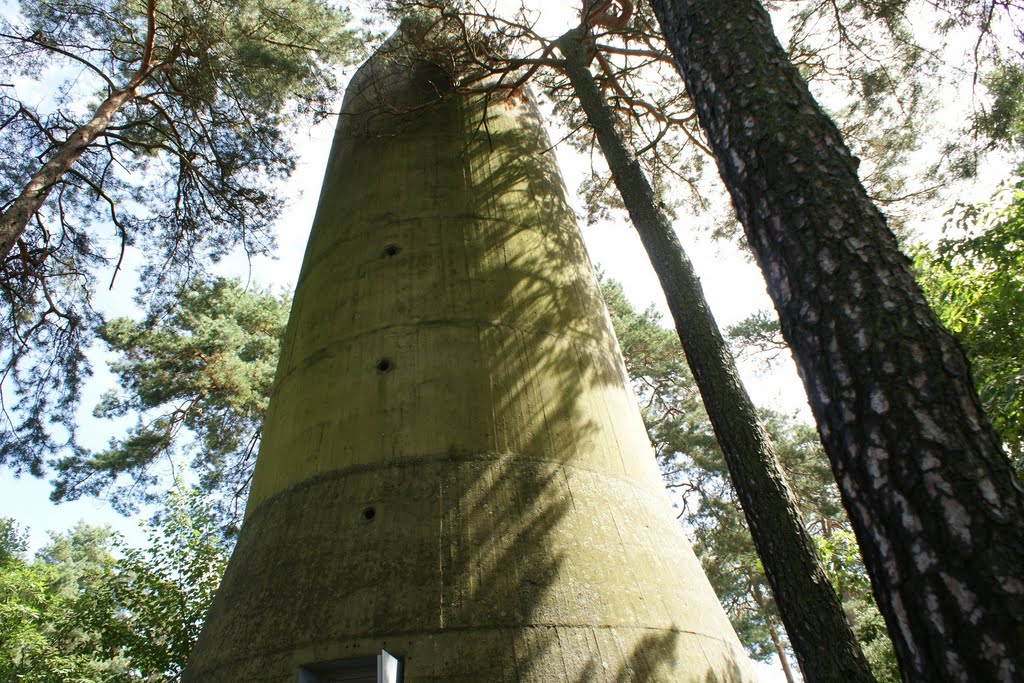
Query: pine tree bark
(15, 218)
(773, 633)
(930, 493)
(822, 639)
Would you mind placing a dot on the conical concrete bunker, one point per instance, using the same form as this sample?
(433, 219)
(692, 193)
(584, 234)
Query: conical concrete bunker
(453, 469)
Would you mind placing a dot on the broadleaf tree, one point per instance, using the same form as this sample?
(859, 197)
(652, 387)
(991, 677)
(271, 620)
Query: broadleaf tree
(78, 612)
(974, 279)
(46, 604)
(161, 593)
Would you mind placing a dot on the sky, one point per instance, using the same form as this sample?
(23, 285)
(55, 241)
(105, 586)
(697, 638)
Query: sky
(732, 284)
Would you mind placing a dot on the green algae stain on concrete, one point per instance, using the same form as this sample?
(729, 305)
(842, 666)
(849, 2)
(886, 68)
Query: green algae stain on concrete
(453, 468)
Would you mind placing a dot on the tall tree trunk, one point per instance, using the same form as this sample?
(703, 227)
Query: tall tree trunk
(822, 639)
(933, 501)
(452, 466)
(787, 669)
(773, 633)
(14, 220)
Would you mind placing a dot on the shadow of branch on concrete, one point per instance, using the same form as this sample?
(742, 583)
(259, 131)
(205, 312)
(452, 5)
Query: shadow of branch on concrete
(452, 467)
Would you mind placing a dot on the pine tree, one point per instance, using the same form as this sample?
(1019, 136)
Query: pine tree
(936, 508)
(195, 374)
(822, 638)
(695, 469)
(167, 136)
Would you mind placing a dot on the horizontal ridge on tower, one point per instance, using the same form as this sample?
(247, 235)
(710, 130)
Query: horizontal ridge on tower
(453, 470)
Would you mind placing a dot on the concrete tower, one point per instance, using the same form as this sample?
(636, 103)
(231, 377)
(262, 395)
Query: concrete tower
(453, 468)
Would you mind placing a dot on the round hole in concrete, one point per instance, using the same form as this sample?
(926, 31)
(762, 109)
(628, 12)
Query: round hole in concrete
(384, 365)
(392, 250)
(369, 513)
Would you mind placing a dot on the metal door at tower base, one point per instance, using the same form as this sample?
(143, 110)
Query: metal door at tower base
(382, 668)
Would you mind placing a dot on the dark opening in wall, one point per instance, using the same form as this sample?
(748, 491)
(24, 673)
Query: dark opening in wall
(382, 668)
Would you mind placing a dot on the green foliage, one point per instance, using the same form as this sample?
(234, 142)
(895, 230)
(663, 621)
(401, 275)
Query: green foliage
(865, 60)
(841, 558)
(45, 634)
(197, 377)
(162, 592)
(758, 334)
(184, 171)
(975, 283)
(694, 466)
(1003, 121)
(13, 541)
(78, 614)
(654, 361)
(26, 610)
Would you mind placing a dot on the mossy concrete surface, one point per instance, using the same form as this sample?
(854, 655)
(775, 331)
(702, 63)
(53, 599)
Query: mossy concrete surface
(453, 467)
